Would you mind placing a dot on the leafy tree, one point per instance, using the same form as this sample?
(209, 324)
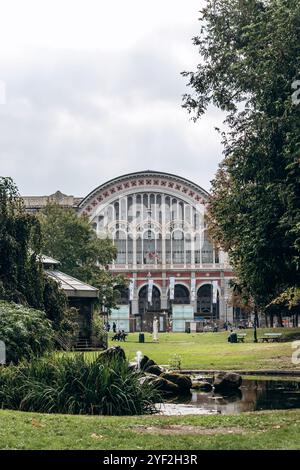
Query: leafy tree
(22, 278)
(71, 239)
(250, 56)
(21, 274)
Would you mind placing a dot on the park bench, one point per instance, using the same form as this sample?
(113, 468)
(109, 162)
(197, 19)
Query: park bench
(241, 337)
(271, 337)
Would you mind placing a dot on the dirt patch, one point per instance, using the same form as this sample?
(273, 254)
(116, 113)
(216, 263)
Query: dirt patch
(184, 429)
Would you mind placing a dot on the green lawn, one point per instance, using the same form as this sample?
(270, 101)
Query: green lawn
(212, 350)
(267, 430)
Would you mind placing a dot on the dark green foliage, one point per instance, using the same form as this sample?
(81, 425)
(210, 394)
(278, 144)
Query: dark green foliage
(22, 279)
(70, 384)
(21, 274)
(71, 239)
(250, 56)
(55, 301)
(25, 331)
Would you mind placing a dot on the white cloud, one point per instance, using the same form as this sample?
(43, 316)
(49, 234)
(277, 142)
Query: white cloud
(95, 91)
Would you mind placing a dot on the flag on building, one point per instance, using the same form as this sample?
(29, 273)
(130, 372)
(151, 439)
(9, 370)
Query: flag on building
(193, 289)
(172, 288)
(215, 291)
(150, 290)
(131, 289)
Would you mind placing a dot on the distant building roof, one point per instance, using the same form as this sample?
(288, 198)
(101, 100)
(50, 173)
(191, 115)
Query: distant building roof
(72, 286)
(38, 202)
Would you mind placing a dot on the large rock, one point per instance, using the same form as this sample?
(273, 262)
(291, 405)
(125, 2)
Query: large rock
(155, 369)
(202, 385)
(144, 361)
(183, 382)
(115, 352)
(165, 386)
(227, 381)
(148, 364)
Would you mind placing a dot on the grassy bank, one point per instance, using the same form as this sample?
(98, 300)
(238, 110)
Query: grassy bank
(267, 430)
(212, 350)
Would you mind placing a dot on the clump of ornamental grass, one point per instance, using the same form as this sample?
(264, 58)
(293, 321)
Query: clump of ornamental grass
(70, 384)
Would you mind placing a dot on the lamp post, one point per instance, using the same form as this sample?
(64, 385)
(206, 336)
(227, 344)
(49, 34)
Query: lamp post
(255, 323)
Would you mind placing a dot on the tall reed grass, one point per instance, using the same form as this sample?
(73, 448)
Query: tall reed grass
(70, 384)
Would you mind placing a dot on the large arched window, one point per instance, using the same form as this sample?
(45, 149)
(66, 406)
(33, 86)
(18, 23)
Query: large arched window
(207, 249)
(144, 305)
(121, 245)
(204, 299)
(181, 295)
(130, 249)
(149, 253)
(139, 249)
(205, 305)
(188, 248)
(178, 247)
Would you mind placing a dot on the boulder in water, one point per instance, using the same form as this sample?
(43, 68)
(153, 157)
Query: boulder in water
(183, 382)
(227, 381)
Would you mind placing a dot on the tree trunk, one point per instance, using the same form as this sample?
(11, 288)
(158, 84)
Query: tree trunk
(279, 318)
(267, 321)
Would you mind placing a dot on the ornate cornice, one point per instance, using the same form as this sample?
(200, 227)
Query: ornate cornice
(145, 180)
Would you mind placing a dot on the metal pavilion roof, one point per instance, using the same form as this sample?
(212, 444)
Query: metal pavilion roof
(72, 286)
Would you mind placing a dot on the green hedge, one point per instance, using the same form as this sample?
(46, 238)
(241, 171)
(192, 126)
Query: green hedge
(25, 331)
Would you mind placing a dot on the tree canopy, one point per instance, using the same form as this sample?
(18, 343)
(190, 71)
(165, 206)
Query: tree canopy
(249, 59)
(70, 238)
(22, 278)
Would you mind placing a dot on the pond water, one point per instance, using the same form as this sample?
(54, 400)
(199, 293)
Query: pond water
(254, 395)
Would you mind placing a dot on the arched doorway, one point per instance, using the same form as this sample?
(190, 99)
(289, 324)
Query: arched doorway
(144, 305)
(205, 305)
(181, 296)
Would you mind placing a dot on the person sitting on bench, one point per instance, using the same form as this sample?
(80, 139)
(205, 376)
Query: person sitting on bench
(120, 336)
(232, 338)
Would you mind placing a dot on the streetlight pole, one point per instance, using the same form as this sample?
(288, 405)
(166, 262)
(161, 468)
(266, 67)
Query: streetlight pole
(255, 325)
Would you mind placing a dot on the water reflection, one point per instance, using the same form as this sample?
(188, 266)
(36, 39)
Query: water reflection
(254, 395)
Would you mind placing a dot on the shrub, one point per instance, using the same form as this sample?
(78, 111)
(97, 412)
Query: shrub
(99, 335)
(70, 384)
(25, 331)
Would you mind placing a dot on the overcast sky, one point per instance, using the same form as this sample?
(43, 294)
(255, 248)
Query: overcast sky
(93, 91)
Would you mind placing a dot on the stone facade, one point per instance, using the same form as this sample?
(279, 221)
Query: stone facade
(158, 223)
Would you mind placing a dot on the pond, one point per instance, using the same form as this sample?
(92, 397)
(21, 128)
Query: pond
(255, 394)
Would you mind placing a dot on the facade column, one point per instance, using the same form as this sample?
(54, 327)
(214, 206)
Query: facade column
(164, 291)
